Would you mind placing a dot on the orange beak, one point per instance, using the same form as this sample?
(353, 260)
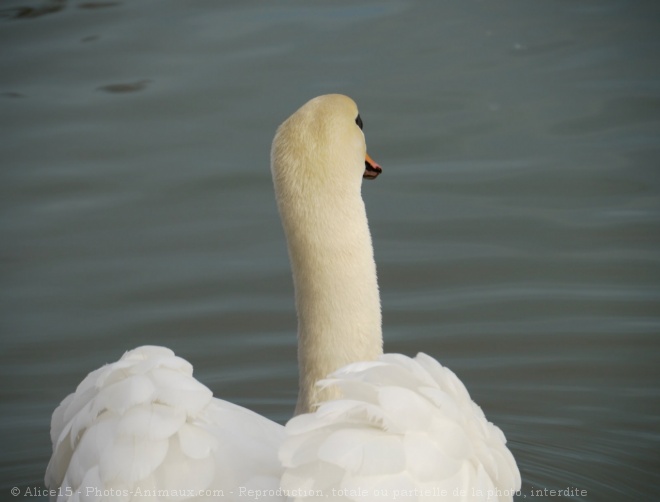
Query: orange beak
(371, 169)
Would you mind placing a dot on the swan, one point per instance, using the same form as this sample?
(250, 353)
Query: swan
(368, 426)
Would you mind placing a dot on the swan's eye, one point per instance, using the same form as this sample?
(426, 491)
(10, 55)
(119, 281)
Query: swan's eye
(358, 121)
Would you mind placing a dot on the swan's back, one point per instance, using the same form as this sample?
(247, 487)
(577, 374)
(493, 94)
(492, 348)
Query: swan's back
(143, 428)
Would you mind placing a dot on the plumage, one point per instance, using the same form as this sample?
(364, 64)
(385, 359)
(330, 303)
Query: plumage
(168, 434)
(408, 418)
(369, 426)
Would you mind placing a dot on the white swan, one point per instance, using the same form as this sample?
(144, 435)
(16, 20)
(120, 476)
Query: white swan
(381, 427)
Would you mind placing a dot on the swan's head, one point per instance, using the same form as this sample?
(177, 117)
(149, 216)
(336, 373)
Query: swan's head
(322, 144)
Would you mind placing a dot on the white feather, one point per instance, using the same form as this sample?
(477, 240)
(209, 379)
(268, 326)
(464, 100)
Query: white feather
(180, 473)
(154, 421)
(195, 442)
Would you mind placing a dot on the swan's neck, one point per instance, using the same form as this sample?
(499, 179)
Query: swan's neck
(337, 299)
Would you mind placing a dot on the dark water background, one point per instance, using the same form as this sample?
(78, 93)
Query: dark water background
(516, 224)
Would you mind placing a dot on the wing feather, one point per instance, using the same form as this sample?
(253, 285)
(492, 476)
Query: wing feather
(143, 428)
(404, 428)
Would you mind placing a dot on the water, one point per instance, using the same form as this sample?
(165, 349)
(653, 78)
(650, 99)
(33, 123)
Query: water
(515, 225)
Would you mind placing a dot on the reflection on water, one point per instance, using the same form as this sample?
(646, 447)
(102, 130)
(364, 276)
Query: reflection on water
(515, 224)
